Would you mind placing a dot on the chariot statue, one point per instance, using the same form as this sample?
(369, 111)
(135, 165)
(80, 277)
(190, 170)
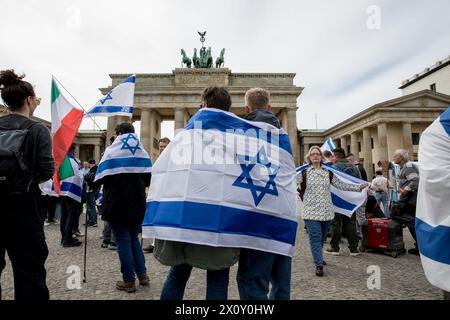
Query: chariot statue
(204, 58)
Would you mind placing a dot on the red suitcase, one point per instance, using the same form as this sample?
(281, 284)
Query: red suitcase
(385, 235)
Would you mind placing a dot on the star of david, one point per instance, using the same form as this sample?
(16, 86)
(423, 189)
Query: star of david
(107, 97)
(245, 180)
(127, 146)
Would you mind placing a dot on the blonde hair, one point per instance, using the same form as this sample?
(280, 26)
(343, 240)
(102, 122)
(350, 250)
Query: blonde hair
(257, 98)
(308, 155)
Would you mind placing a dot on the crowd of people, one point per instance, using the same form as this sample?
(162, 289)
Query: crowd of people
(261, 275)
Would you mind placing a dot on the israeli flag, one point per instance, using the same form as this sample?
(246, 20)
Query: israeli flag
(344, 202)
(72, 186)
(225, 182)
(124, 155)
(433, 202)
(117, 102)
(328, 146)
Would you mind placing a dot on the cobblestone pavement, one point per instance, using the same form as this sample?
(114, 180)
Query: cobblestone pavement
(345, 277)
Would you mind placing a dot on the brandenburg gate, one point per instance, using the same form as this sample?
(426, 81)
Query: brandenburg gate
(177, 96)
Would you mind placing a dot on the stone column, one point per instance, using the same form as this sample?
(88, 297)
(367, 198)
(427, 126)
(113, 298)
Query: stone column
(146, 129)
(292, 132)
(97, 153)
(382, 142)
(367, 152)
(112, 122)
(407, 138)
(354, 145)
(77, 151)
(283, 119)
(344, 143)
(179, 119)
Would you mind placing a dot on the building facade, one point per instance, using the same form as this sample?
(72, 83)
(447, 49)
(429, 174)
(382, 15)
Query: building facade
(435, 78)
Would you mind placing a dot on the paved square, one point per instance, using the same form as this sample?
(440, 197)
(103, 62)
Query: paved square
(345, 277)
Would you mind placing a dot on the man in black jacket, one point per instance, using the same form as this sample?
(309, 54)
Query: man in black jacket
(257, 269)
(123, 207)
(21, 224)
(91, 194)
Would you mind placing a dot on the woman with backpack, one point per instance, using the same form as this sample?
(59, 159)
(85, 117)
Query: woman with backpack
(25, 161)
(318, 210)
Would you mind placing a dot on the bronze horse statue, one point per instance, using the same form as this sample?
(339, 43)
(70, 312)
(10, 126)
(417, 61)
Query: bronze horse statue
(186, 60)
(196, 59)
(220, 59)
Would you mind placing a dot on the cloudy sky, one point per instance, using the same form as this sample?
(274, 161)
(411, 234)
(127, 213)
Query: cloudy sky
(348, 54)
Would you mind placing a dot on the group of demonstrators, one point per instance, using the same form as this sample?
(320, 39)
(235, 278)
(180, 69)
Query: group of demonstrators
(224, 191)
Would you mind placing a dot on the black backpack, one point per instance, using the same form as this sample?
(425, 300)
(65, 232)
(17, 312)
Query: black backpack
(15, 173)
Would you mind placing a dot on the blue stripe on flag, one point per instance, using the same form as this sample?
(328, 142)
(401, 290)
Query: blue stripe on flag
(219, 219)
(445, 120)
(111, 109)
(341, 203)
(223, 122)
(131, 79)
(330, 144)
(124, 162)
(434, 242)
(72, 188)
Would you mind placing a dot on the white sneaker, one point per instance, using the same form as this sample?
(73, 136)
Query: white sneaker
(355, 254)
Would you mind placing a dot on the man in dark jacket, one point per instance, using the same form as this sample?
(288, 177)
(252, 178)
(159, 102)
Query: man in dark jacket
(91, 193)
(340, 221)
(353, 160)
(21, 224)
(123, 207)
(259, 268)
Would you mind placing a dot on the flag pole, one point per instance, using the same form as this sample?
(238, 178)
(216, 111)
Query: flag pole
(85, 244)
(79, 104)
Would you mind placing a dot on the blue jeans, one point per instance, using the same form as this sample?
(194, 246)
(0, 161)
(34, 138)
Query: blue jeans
(317, 232)
(383, 198)
(132, 261)
(257, 269)
(216, 283)
(91, 210)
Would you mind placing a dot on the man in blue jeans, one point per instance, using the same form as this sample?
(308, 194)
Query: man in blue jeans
(259, 268)
(124, 172)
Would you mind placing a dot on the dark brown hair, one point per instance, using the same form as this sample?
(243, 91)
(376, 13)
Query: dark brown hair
(217, 97)
(124, 127)
(14, 89)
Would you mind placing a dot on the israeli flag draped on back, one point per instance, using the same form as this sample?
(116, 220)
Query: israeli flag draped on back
(124, 155)
(328, 146)
(117, 102)
(225, 182)
(433, 202)
(344, 202)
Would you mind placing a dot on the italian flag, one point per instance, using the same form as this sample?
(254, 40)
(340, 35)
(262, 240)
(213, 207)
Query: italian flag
(66, 119)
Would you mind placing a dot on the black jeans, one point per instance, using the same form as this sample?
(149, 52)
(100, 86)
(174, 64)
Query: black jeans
(48, 207)
(69, 217)
(339, 223)
(22, 237)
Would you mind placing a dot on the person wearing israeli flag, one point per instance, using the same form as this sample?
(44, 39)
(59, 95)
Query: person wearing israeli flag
(433, 202)
(315, 180)
(257, 269)
(184, 256)
(125, 172)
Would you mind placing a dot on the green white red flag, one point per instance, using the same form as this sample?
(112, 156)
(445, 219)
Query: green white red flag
(66, 119)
